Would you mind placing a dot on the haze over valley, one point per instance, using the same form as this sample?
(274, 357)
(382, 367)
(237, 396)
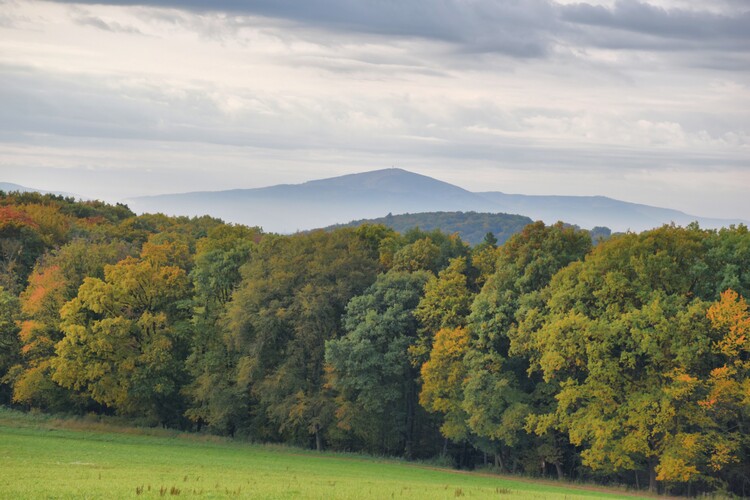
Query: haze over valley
(291, 207)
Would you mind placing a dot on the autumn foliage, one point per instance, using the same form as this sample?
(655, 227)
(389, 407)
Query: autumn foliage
(625, 362)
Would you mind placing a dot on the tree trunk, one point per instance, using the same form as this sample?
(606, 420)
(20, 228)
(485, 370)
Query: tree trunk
(410, 411)
(318, 439)
(499, 462)
(652, 485)
(560, 474)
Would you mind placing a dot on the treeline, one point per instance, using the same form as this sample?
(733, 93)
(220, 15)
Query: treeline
(471, 227)
(625, 363)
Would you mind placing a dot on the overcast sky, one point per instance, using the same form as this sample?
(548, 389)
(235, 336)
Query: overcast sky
(645, 101)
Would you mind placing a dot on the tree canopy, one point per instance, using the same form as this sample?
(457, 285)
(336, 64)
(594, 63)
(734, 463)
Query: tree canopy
(553, 351)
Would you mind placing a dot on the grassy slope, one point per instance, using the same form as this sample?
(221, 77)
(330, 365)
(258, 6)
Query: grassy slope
(42, 458)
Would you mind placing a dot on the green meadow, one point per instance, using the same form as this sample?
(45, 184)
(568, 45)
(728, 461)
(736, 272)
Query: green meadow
(41, 457)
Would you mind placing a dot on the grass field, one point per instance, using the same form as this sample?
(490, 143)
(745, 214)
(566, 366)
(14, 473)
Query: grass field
(42, 457)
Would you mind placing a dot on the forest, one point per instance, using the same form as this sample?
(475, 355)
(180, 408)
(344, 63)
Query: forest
(471, 227)
(625, 362)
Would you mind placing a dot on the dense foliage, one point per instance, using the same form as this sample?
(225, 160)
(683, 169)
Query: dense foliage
(471, 227)
(625, 362)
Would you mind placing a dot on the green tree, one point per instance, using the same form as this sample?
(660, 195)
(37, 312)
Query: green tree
(441, 343)
(10, 343)
(419, 250)
(216, 275)
(624, 337)
(446, 302)
(497, 392)
(371, 367)
(290, 302)
(20, 245)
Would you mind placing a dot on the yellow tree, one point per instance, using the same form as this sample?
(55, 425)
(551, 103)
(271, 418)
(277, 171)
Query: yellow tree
(626, 338)
(124, 341)
(716, 400)
(441, 345)
(40, 304)
(55, 281)
(442, 381)
(728, 397)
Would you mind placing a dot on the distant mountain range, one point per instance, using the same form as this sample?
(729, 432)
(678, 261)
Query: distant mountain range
(287, 208)
(9, 186)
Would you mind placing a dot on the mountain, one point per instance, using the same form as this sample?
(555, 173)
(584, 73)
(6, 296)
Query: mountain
(9, 187)
(592, 211)
(470, 226)
(287, 208)
(290, 207)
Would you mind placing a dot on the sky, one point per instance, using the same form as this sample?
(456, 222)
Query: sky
(644, 101)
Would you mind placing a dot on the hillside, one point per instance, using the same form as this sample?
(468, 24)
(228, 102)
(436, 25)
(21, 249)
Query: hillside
(9, 187)
(287, 208)
(470, 226)
(591, 211)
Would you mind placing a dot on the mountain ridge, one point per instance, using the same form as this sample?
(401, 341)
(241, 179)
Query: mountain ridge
(286, 208)
(370, 195)
(9, 187)
(322, 202)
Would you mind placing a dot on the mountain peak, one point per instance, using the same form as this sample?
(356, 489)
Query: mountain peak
(394, 180)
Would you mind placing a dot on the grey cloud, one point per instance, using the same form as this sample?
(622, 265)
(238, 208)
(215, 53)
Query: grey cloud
(368, 69)
(726, 62)
(642, 18)
(6, 21)
(520, 29)
(510, 27)
(34, 104)
(96, 22)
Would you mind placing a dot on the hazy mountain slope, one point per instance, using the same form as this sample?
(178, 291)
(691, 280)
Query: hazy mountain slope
(470, 226)
(9, 187)
(592, 211)
(290, 207)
